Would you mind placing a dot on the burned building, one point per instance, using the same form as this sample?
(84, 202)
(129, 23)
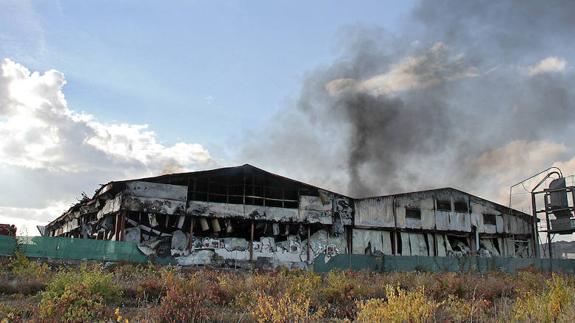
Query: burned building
(243, 214)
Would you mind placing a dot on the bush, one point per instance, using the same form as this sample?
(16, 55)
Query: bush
(21, 267)
(186, 300)
(287, 308)
(15, 313)
(78, 296)
(548, 305)
(400, 306)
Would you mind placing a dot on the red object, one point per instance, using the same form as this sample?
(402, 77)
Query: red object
(8, 230)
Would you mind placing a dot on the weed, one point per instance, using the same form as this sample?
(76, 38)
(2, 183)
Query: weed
(400, 306)
(78, 296)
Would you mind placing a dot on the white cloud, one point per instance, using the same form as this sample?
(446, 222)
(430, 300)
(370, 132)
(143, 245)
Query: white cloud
(414, 72)
(26, 219)
(42, 135)
(520, 156)
(40, 131)
(547, 65)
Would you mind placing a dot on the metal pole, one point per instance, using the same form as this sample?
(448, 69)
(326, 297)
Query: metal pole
(535, 231)
(308, 244)
(252, 241)
(395, 246)
(548, 229)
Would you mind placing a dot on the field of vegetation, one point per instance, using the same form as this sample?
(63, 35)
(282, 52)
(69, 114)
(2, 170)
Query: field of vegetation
(38, 292)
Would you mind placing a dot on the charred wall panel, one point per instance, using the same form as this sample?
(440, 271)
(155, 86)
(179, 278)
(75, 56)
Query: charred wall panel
(374, 212)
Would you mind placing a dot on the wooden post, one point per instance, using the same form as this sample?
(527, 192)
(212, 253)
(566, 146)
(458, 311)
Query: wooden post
(121, 233)
(395, 233)
(117, 227)
(252, 241)
(348, 237)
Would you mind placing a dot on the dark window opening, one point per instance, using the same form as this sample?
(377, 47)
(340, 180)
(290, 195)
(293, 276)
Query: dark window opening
(461, 207)
(458, 244)
(444, 205)
(413, 213)
(489, 219)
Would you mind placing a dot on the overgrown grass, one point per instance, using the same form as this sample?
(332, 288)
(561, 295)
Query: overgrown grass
(149, 293)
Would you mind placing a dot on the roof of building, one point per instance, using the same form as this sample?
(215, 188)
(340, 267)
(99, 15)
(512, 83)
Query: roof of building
(237, 170)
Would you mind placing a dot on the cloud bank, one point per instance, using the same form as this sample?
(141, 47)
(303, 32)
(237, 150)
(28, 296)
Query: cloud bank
(52, 153)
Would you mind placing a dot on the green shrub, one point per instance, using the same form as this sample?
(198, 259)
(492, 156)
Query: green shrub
(78, 296)
(23, 268)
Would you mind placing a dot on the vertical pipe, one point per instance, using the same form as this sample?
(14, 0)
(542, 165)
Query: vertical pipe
(252, 241)
(534, 225)
(549, 246)
(395, 245)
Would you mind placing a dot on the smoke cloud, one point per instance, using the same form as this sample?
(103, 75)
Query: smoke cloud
(451, 99)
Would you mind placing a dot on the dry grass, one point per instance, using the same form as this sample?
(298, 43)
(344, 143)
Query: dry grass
(148, 293)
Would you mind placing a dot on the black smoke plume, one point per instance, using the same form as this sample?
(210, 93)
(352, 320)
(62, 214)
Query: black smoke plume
(439, 103)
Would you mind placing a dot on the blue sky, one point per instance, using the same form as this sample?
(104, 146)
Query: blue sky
(219, 83)
(204, 71)
(203, 75)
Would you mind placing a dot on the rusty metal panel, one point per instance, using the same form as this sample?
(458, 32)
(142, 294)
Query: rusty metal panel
(428, 219)
(477, 216)
(140, 196)
(514, 225)
(227, 210)
(422, 201)
(405, 248)
(216, 210)
(440, 245)
(400, 216)
(430, 243)
(403, 202)
(156, 190)
(525, 226)
(374, 212)
(277, 214)
(316, 209)
(316, 203)
(418, 245)
(371, 241)
(343, 206)
(412, 223)
(110, 206)
(153, 205)
(460, 222)
(442, 220)
(499, 223)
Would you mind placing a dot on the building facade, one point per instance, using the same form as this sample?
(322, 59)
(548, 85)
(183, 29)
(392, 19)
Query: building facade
(244, 214)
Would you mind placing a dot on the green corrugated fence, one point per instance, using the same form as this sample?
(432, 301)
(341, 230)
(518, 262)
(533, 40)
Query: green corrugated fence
(7, 245)
(440, 264)
(103, 250)
(72, 249)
